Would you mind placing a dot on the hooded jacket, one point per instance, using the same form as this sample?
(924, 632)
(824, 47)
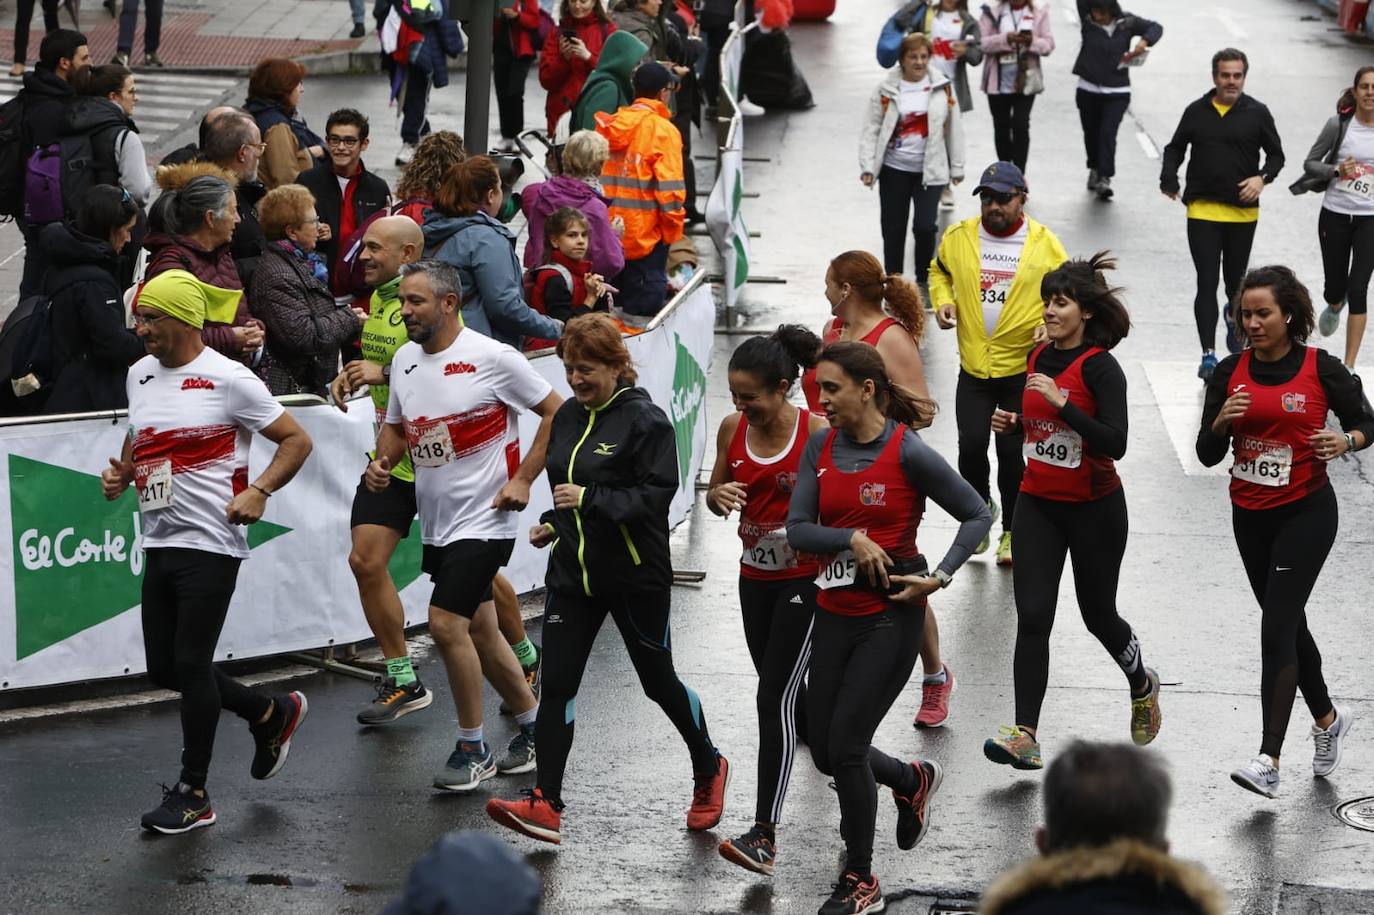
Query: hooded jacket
(46, 97)
(644, 175)
(483, 250)
(1224, 150)
(539, 202)
(945, 134)
(648, 29)
(92, 349)
(624, 455)
(288, 142)
(1124, 878)
(119, 154)
(1099, 56)
(609, 87)
(564, 77)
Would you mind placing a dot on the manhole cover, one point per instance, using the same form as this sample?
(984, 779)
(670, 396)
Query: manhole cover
(1358, 813)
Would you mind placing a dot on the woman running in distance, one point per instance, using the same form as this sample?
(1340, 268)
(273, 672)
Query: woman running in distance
(860, 493)
(1268, 403)
(758, 452)
(1071, 502)
(886, 312)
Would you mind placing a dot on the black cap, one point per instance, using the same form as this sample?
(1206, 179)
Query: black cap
(651, 78)
(1003, 177)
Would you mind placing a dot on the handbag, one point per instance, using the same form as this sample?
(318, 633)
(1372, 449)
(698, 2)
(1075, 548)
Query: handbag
(1032, 79)
(897, 26)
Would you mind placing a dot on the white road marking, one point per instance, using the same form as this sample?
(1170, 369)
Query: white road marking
(1228, 23)
(1178, 394)
(1146, 144)
(1069, 14)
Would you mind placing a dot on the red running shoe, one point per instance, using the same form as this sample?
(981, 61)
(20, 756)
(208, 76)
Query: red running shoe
(533, 815)
(708, 797)
(935, 702)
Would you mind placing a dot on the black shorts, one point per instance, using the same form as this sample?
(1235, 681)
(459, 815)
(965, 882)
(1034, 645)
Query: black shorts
(462, 572)
(393, 507)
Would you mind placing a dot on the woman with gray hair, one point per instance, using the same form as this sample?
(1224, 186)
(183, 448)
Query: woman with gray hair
(578, 187)
(193, 222)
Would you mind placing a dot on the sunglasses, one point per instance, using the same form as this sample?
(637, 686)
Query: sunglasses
(999, 197)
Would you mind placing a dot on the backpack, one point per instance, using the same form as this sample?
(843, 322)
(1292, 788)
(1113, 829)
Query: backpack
(26, 347)
(12, 158)
(57, 176)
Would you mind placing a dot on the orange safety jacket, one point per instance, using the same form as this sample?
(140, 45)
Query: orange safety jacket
(643, 178)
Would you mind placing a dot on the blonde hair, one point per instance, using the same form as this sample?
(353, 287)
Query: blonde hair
(584, 154)
(287, 205)
(912, 42)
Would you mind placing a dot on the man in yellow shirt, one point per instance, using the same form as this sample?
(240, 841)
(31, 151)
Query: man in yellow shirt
(1226, 129)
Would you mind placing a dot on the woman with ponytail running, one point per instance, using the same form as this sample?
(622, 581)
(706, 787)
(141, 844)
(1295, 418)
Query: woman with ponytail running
(860, 493)
(886, 312)
(1268, 404)
(758, 451)
(1073, 417)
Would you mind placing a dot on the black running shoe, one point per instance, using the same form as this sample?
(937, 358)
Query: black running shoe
(180, 811)
(854, 895)
(394, 701)
(913, 811)
(273, 736)
(754, 850)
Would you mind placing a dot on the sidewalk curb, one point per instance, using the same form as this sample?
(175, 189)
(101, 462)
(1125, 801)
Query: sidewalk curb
(329, 63)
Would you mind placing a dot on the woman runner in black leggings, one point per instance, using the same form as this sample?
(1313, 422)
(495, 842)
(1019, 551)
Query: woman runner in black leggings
(1269, 405)
(861, 490)
(1071, 503)
(758, 451)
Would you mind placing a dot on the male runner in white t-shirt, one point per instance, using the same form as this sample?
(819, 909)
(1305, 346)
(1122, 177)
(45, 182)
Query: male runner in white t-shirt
(455, 399)
(192, 413)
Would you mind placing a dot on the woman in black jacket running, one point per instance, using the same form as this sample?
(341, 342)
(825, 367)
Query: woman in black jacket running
(612, 462)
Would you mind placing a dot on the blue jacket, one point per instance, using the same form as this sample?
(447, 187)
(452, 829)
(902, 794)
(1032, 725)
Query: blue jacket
(442, 41)
(483, 250)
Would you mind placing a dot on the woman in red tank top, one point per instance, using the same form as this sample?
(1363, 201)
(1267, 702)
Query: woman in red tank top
(1070, 504)
(1269, 405)
(758, 451)
(861, 490)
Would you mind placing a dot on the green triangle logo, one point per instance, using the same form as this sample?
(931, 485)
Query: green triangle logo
(405, 562)
(78, 560)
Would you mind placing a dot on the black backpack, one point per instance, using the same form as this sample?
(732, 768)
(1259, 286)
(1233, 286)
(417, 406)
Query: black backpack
(26, 347)
(13, 157)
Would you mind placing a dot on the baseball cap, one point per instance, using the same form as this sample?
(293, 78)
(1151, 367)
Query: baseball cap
(1003, 177)
(650, 79)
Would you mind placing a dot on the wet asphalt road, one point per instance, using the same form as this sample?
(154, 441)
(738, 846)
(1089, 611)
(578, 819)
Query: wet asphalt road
(352, 809)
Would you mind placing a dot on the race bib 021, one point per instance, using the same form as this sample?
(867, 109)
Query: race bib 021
(770, 552)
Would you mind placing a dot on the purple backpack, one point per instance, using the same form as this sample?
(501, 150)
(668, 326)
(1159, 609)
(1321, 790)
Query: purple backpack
(43, 186)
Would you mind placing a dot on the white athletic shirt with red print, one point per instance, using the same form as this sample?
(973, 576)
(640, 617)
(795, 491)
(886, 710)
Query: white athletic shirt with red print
(191, 427)
(459, 409)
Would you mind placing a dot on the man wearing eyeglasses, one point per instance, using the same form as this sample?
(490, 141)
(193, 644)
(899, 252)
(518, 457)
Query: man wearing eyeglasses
(985, 281)
(346, 194)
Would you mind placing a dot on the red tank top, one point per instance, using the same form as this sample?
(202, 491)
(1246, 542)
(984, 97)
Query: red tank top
(1058, 466)
(1274, 463)
(762, 524)
(880, 501)
(810, 387)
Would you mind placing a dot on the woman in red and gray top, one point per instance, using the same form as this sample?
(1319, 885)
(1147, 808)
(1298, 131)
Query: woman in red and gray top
(860, 492)
(1268, 403)
(1073, 418)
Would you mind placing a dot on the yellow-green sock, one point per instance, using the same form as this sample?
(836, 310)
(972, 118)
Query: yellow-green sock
(399, 669)
(525, 652)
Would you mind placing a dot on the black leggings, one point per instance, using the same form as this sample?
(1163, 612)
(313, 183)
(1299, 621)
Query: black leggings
(186, 596)
(510, 73)
(1219, 249)
(859, 665)
(1347, 244)
(1283, 550)
(571, 622)
(1011, 126)
(777, 628)
(23, 16)
(974, 401)
(1046, 532)
(898, 193)
(1100, 113)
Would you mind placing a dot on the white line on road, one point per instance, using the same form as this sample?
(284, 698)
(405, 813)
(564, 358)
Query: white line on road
(1070, 15)
(1178, 395)
(1229, 24)
(1147, 144)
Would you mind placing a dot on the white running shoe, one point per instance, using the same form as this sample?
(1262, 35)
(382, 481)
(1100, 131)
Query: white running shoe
(406, 153)
(947, 198)
(1328, 753)
(749, 109)
(1329, 320)
(1258, 775)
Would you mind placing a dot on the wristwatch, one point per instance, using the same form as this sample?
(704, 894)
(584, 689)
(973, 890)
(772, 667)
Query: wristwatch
(943, 577)
(1349, 442)
(386, 373)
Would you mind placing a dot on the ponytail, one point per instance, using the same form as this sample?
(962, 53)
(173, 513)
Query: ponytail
(861, 363)
(778, 357)
(904, 303)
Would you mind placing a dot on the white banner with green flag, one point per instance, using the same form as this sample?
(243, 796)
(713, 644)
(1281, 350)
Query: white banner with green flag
(70, 584)
(724, 206)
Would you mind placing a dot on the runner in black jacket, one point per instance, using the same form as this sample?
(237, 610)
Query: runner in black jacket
(612, 462)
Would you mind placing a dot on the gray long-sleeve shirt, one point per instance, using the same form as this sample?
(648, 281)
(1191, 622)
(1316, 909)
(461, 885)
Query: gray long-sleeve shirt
(924, 467)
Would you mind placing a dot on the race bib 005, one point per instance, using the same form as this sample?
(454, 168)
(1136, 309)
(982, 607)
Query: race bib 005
(838, 572)
(1263, 462)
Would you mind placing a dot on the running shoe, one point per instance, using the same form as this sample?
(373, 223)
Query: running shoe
(1259, 775)
(519, 753)
(1145, 714)
(913, 811)
(507, 145)
(1015, 747)
(359, 30)
(987, 538)
(272, 738)
(1232, 341)
(180, 811)
(935, 702)
(854, 895)
(151, 59)
(533, 815)
(468, 766)
(1328, 754)
(533, 677)
(1004, 549)
(405, 154)
(753, 851)
(394, 702)
(121, 58)
(1207, 367)
(947, 198)
(1104, 189)
(1329, 320)
(1093, 179)
(708, 796)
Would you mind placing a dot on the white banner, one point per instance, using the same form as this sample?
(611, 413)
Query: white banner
(724, 207)
(70, 584)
